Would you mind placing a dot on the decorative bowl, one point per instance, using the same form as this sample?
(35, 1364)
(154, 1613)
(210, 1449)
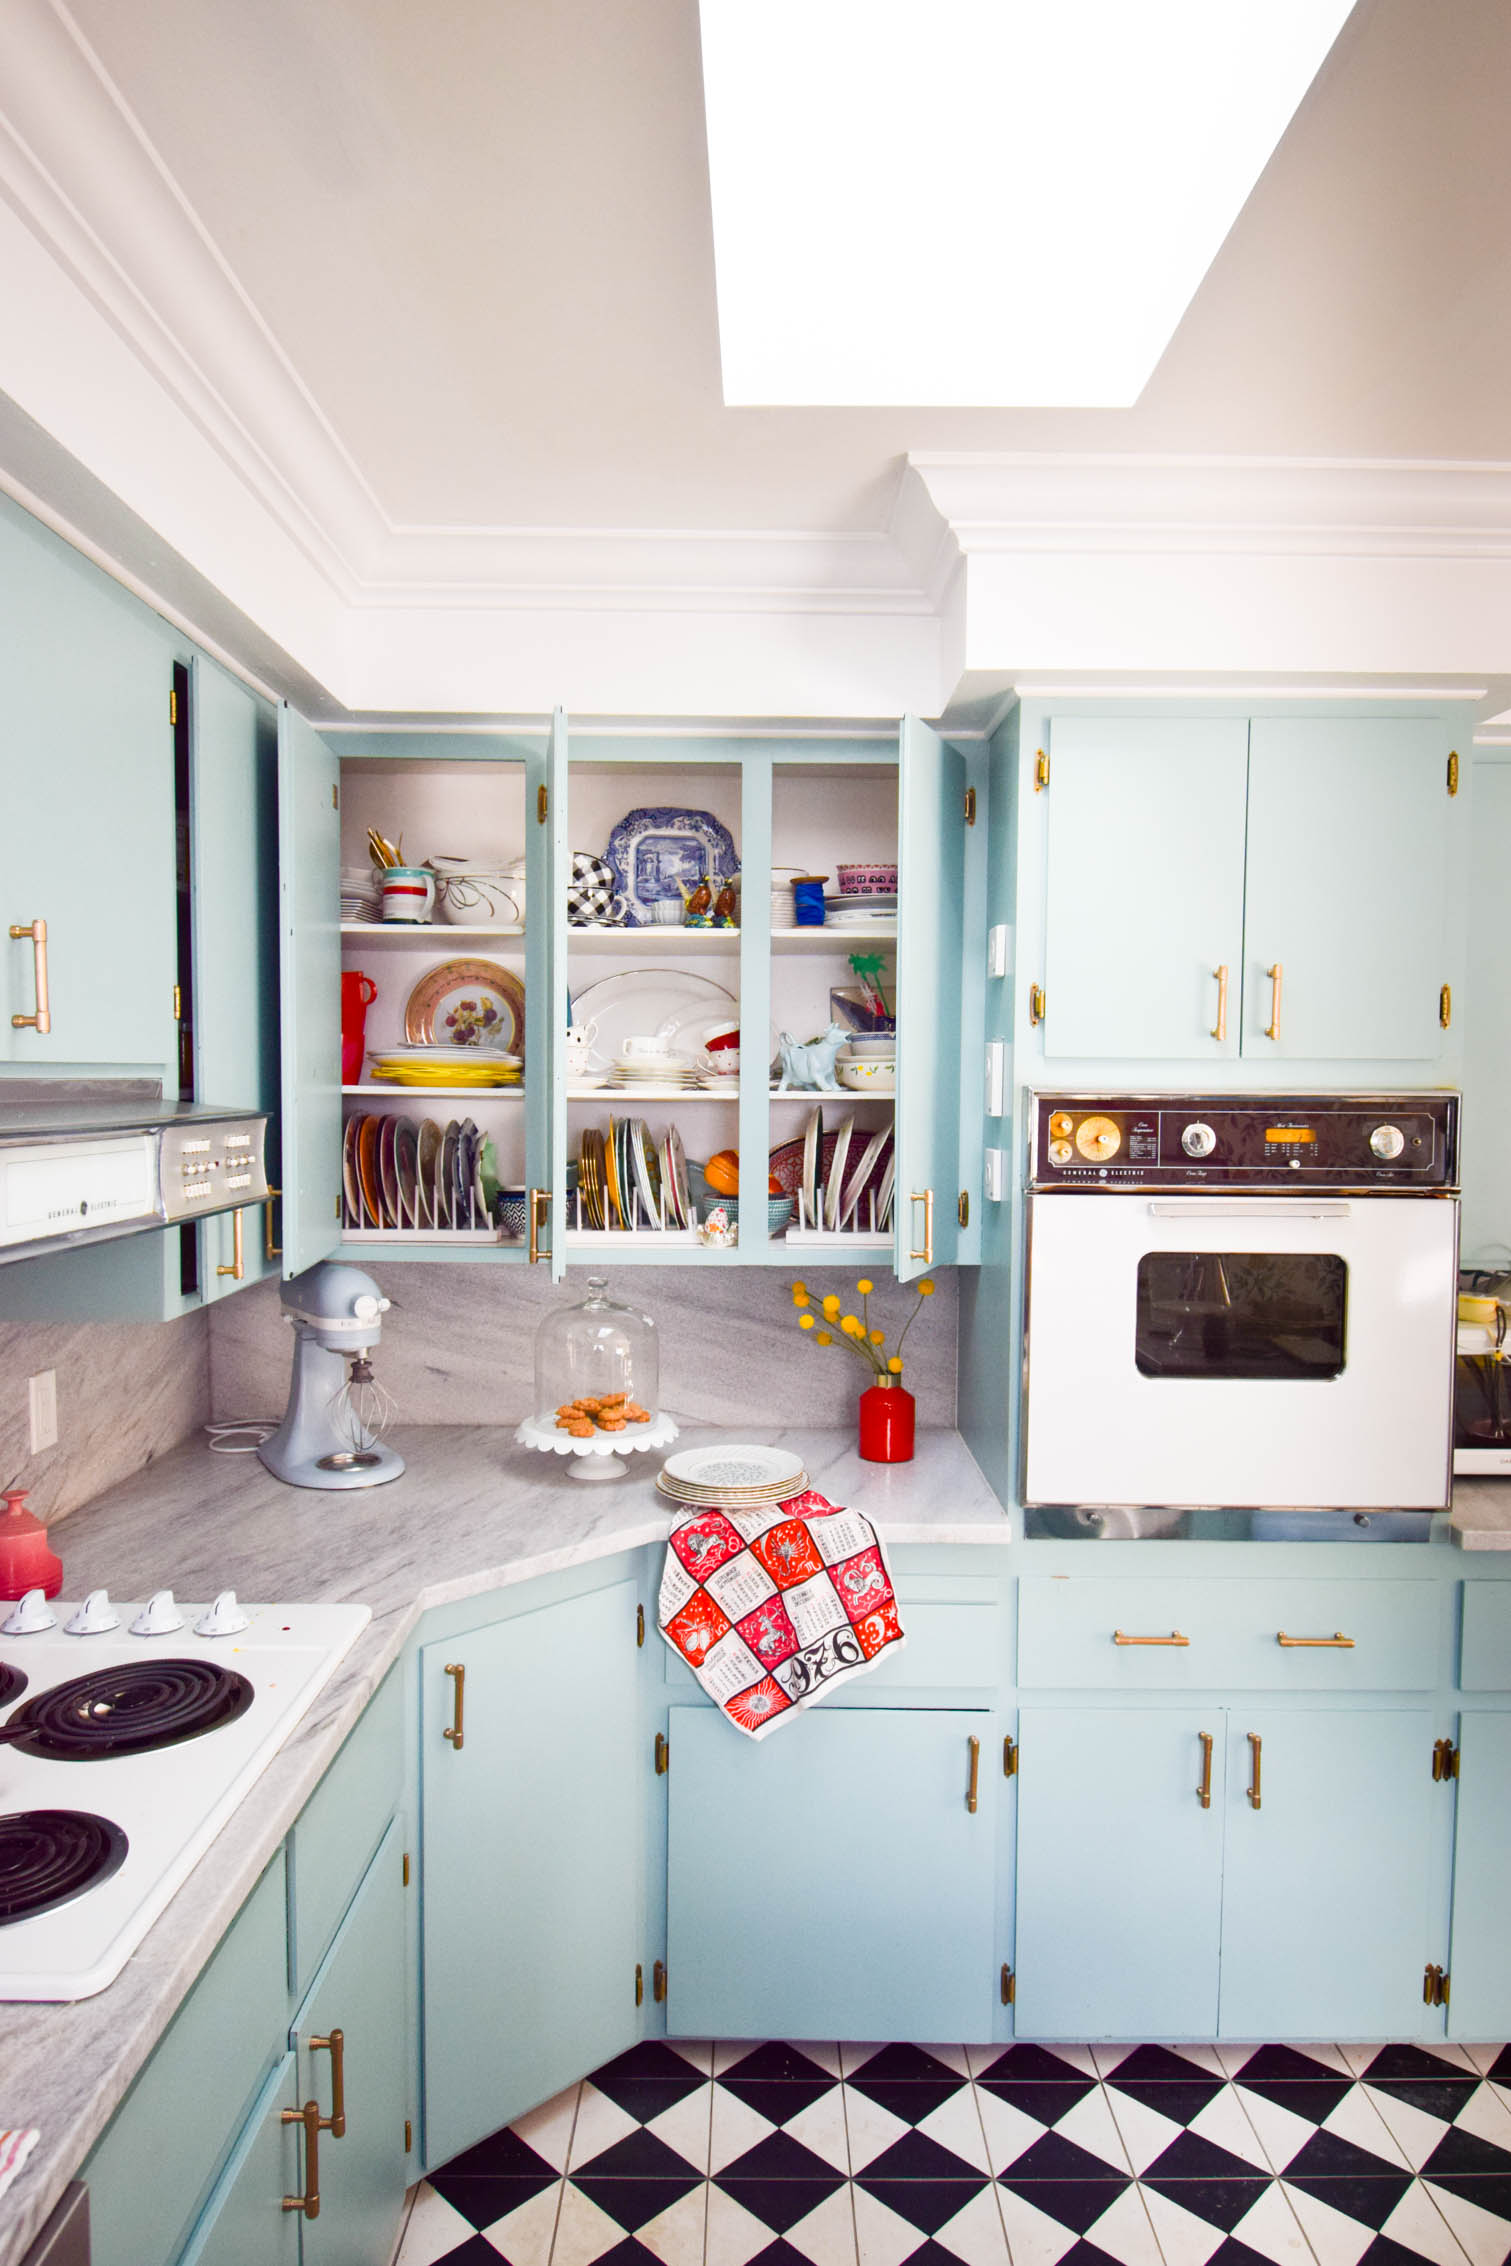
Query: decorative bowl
(513, 1211)
(473, 898)
(862, 1076)
(866, 880)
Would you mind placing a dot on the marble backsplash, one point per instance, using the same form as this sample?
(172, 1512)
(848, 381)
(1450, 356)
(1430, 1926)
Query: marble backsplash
(458, 1344)
(127, 1392)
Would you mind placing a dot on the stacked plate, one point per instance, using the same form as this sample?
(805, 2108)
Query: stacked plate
(861, 912)
(446, 1066)
(361, 893)
(626, 1179)
(671, 1070)
(400, 1174)
(732, 1478)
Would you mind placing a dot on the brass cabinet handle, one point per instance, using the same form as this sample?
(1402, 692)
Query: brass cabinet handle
(453, 1732)
(335, 2046)
(1337, 1642)
(309, 2201)
(1255, 1743)
(270, 1249)
(1220, 1029)
(1174, 1637)
(1204, 1790)
(925, 1196)
(238, 1267)
(540, 1199)
(41, 1022)
(1277, 977)
(974, 1779)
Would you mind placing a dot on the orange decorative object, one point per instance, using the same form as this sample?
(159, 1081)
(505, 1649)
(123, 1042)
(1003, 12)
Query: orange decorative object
(722, 1172)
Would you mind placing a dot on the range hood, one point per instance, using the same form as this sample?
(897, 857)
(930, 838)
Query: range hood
(82, 1161)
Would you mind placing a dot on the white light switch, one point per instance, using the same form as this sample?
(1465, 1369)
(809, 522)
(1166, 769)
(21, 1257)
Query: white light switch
(996, 1175)
(997, 953)
(42, 1395)
(996, 1077)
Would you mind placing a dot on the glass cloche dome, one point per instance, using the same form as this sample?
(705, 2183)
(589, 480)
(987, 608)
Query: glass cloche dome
(597, 1383)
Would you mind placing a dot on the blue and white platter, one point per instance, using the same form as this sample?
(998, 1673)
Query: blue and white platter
(651, 851)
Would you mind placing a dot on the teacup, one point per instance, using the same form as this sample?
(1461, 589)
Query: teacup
(666, 912)
(649, 1048)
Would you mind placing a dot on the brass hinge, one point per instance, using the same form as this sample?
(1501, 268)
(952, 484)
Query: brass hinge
(1434, 1985)
(1445, 1005)
(178, 1003)
(1009, 1985)
(335, 798)
(1453, 773)
(639, 1624)
(1445, 1760)
(970, 806)
(963, 1208)
(408, 2136)
(1036, 1003)
(1009, 1758)
(406, 1868)
(338, 1207)
(639, 1984)
(663, 1755)
(1041, 772)
(658, 1982)
(542, 805)
(173, 704)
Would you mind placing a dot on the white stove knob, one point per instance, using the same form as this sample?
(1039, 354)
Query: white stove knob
(1386, 1142)
(93, 1617)
(1198, 1140)
(222, 1619)
(159, 1617)
(29, 1616)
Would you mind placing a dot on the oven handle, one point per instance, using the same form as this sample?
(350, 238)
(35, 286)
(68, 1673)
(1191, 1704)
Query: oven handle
(1251, 1208)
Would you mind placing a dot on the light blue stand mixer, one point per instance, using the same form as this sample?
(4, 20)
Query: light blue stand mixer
(337, 1412)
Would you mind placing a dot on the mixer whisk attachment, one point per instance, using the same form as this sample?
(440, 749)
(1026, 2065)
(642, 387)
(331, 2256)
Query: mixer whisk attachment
(362, 1410)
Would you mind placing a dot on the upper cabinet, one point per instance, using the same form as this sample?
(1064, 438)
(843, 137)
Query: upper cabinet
(1273, 888)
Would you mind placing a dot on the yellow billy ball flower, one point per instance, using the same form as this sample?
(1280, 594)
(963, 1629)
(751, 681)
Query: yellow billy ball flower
(824, 1338)
(853, 1326)
(865, 1288)
(878, 1337)
(805, 1321)
(926, 1288)
(801, 1300)
(895, 1365)
(800, 1290)
(831, 1307)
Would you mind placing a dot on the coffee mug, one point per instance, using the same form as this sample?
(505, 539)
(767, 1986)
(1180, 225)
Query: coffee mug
(408, 893)
(652, 1048)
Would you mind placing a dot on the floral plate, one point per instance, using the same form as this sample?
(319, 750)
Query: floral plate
(467, 1003)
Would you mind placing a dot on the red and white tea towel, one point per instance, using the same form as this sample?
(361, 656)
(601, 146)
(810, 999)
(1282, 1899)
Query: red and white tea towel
(15, 2147)
(773, 1608)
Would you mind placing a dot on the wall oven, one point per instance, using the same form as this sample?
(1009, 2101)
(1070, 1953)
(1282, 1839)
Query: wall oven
(1244, 1300)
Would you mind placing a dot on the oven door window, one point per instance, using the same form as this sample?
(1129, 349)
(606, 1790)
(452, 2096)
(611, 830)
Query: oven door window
(1268, 1314)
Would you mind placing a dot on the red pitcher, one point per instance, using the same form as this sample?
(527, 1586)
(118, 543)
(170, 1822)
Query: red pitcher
(357, 994)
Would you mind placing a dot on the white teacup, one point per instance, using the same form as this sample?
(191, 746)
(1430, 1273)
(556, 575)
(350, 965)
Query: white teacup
(649, 1048)
(667, 912)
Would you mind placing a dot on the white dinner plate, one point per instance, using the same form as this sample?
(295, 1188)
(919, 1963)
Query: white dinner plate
(641, 1002)
(735, 1469)
(835, 1183)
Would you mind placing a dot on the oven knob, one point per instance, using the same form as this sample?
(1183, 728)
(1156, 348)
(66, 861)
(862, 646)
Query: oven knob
(1386, 1142)
(93, 1617)
(222, 1619)
(1098, 1138)
(159, 1617)
(29, 1616)
(1198, 1140)
(1062, 1125)
(1061, 1152)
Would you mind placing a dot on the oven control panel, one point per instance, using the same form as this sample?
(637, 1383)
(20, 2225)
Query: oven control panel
(213, 1165)
(1361, 1141)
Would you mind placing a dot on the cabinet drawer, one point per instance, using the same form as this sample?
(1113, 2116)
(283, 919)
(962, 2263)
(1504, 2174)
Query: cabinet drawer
(959, 1638)
(339, 1828)
(152, 2169)
(1485, 1651)
(1069, 1631)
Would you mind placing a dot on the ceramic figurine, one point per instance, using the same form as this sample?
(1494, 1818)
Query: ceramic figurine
(726, 906)
(811, 1065)
(719, 1230)
(697, 905)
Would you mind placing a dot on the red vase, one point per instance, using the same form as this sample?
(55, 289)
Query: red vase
(886, 1423)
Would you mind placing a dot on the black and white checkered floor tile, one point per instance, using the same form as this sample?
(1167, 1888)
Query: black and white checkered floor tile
(692, 2154)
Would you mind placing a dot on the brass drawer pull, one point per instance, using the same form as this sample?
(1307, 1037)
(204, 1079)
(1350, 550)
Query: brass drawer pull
(1174, 1637)
(925, 1196)
(540, 1204)
(1337, 1642)
(453, 1731)
(1255, 1743)
(238, 1267)
(309, 2201)
(1277, 977)
(41, 1022)
(1220, 1031)
(1204, 1790)
(974, 1779)
(335, 2046)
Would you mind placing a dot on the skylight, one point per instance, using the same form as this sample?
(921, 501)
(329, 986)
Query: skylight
(982, 202)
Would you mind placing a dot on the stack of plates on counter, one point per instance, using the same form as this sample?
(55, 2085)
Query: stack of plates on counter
(732, 1478)
(447, 1066)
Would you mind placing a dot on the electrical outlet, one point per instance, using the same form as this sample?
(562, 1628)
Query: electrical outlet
(998, 949)
(996, 1176)
(996, 1077)
(42, 1394)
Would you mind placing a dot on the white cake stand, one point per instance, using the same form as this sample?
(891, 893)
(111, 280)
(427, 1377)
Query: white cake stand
(603, 1456)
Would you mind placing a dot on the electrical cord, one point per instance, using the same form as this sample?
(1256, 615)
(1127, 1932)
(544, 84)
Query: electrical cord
(240, 1436)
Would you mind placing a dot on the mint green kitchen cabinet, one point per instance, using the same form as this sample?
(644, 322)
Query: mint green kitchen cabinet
(309, 830)
(534, 1779)
(836, 1879)
(247, 2221)
(932, 1174)
(1119, 1897)
(1143, 950)
(1479, 1963)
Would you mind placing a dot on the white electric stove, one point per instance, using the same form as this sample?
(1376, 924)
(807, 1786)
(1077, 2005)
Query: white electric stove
(128, 1734)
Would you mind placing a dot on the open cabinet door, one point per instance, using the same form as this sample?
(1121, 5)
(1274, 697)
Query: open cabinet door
(309, 967)
(548, 1076)
(931, 825)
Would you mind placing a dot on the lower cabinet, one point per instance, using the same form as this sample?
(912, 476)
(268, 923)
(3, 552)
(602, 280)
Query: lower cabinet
(1479, 2004)
(1199, 1872)
(252, 2215)
(834, 1881)
(534, 1772)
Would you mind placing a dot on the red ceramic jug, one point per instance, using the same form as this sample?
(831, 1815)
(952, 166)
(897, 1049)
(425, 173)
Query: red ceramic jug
(357, 994)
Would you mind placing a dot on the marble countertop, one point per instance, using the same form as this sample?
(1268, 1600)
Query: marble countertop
(1481, 1516)
(472, 1513)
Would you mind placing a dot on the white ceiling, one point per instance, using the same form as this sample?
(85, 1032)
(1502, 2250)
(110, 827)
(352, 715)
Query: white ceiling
(479, 232)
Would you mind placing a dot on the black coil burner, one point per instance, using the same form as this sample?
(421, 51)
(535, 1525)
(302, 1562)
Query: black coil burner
(127, 1710)
(12, 1683)
(50, 1856)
